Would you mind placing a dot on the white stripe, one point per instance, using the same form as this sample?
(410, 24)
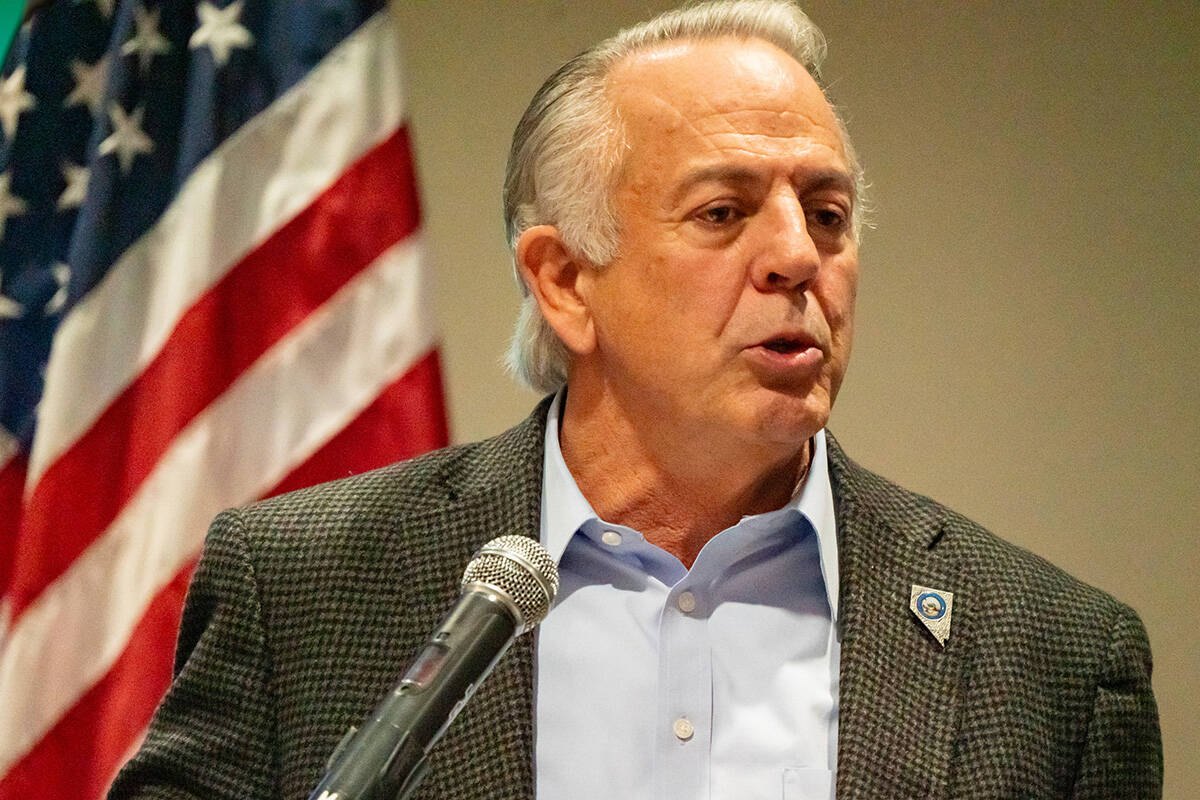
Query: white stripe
(259, 178)
(279, 412)
(8, 447)
(8, 450)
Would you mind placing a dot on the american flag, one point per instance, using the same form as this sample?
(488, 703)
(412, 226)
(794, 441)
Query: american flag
(211, 291)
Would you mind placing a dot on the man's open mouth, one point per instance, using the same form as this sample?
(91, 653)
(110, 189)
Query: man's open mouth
(785, 345)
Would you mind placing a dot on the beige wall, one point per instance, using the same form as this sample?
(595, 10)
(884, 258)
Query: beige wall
(1028, 328)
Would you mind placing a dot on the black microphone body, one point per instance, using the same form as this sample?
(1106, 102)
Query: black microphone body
(385, 757)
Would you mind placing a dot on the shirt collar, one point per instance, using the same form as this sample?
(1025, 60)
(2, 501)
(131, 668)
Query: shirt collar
(565, 509)
(815, 502)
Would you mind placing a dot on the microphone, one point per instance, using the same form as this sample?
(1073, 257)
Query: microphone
(507, 589)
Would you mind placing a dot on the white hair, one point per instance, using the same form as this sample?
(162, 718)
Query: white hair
(566, 151)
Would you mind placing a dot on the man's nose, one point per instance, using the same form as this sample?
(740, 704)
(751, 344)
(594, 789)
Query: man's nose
(788, 257)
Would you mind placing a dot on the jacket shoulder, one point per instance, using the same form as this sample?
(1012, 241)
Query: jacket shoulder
(415, 486)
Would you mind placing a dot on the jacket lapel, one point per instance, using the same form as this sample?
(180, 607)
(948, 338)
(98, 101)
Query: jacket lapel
(899, 687)
(488, 750)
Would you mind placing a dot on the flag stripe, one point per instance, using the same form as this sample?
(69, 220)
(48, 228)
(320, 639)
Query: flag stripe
(372, 206)
(243, 444)
(254, 182)
(407, 419)
(128, 694)
(8, 447)
(79, 756)
(12, 483)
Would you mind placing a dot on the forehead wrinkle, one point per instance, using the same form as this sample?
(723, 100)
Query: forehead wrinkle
(666, 110)
(767, 125)
(749, 138)
(663, 114)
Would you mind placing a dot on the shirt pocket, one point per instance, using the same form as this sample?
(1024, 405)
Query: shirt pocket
(808, 783)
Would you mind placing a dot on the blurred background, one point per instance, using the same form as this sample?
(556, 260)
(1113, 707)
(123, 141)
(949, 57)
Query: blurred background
(1027, 323)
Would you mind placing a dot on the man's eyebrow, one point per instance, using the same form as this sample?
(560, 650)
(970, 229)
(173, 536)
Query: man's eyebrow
(717, 173)
(828, 179)
(818, 180)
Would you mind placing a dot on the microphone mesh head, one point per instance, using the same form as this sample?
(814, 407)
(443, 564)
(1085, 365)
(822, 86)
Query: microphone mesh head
(521, 568)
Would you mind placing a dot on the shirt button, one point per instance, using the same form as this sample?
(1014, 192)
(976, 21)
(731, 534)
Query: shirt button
(611, 538)
(686, 602)
(683, 729)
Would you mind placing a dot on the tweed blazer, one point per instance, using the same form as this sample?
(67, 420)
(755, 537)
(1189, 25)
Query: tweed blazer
(305, 609)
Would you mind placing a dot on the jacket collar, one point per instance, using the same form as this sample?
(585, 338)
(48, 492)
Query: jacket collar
(899, 687)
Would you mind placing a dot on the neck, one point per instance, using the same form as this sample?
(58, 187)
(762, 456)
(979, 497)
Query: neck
(679, 489)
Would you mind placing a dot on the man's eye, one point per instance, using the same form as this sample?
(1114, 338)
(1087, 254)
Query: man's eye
(719, 215)
(828, 218)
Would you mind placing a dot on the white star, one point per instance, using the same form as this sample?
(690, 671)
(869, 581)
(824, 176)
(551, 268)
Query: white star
(220, 31)
(10, 309)
(127, 139)
(77, 183)
(14, 100)
(62, 275)
(105, 6)
(89, 84)
(10, 204)
(147, 42)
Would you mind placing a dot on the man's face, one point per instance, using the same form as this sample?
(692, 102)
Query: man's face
(728, 310)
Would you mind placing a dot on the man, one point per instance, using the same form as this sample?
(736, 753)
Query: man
(745, 612)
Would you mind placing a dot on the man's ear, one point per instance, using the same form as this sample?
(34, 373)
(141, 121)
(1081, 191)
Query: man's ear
(555, 277)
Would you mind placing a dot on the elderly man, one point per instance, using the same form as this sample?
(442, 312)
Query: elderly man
(745, 612)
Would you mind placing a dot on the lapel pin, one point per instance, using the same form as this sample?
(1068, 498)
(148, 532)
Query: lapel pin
(933, 607)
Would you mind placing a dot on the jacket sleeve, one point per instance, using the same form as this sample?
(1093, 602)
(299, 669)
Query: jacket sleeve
(212, 736)
(1122, 757)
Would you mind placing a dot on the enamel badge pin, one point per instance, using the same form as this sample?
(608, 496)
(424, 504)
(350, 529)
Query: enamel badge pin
(933, 607)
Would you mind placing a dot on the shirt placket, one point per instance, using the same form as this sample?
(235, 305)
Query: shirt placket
(684, 715)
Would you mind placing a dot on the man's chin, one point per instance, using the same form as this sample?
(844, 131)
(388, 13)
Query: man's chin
(790, 421)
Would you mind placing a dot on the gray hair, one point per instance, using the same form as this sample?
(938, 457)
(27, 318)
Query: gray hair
(567, 148)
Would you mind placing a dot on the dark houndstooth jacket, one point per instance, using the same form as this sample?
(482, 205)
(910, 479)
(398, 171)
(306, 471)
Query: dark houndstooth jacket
(305, 609)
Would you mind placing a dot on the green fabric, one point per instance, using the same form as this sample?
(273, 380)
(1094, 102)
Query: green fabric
(10, 21)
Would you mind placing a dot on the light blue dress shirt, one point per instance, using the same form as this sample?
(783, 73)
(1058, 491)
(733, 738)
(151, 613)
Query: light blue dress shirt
(663, 683)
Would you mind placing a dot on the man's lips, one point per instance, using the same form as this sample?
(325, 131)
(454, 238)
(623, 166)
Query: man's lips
(789, 341)
(787, 351)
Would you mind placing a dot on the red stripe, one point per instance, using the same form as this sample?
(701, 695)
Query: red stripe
(79, 756)
(81, 753)
(370, 208)
(408, 418)
(12, 486)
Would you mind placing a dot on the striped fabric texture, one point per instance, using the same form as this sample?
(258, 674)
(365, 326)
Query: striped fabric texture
(307, 608)
(242, 312)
